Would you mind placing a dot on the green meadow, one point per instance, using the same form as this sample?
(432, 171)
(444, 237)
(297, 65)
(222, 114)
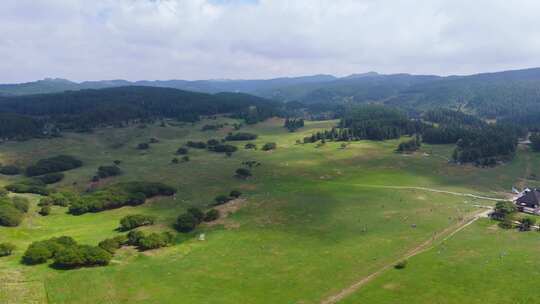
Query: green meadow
(313, 221)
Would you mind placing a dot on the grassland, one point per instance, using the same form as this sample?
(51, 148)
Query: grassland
(311, 225)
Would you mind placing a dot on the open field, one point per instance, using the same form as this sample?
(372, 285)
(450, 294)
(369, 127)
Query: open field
(482, 264)
(311, 225)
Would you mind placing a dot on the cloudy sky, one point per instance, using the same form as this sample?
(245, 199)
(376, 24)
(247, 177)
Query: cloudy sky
(202, 39)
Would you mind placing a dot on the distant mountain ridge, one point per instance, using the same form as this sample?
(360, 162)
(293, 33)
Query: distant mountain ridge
(489, 95)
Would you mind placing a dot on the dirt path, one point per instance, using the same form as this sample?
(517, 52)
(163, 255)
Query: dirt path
(441, 236)
(432, 190)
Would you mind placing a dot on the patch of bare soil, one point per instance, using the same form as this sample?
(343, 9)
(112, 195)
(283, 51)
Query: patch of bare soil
(225, 211)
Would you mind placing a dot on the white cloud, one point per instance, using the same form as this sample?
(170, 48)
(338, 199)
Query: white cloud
(192, 39)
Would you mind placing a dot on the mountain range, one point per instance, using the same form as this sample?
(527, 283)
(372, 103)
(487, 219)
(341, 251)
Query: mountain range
(487, 94)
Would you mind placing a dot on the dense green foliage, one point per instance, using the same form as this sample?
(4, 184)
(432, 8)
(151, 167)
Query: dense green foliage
(486, 146)
(240, 136)
(149, 241)
(130, 222)
(53, 164)
(211, 215)
(50, 178)
(10, 215)
(10, 170)
(21, 203)
(66, 254)
(377, 123)
(410, 145)
(293, 124)
(85, 109)
(113, 244)
(269, 146)
(28, 186)
(108, 171)
(119, 195)
(6, 249)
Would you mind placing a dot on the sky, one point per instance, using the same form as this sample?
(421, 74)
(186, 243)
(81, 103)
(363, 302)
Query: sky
(253, 39)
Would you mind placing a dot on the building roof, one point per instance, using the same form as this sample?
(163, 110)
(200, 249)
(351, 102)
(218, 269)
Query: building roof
(531, 199)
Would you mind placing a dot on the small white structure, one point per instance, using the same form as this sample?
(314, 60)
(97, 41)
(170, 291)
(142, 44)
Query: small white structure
(202, 237)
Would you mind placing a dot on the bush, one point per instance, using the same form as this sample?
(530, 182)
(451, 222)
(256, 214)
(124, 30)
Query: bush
(134, 237)
(222, 199)
(81, 255)
(186, 222)
(235, 194)
(269, 146)
(10, 170)
(50, 178)
(211, 215)
(39, 252)
(6, 249)
(155, 240)
(212, 142)
(243, 173)
(143, 146)
(185, 159)
(197, 214)
(119, 195)
(54, 164)
(401, 265)
(117, 162)
(241, 136)
(182, 151)
(29, 186)
(196, 144)
(9, 215)
(223, 148)
(62, 198)
(107, 171)
(250, 146)
(45, 210)
(506, 223)
(151, 241)
(21, 203)
(526, 224)
(136, 220)
(175, 160)
(113, 244)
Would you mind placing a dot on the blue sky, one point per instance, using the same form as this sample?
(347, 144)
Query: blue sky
(202, 39)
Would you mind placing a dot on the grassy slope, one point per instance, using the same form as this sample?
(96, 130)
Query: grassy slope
(307, 219)
(482, 264)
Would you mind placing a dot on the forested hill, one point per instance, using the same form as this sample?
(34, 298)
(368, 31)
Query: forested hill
(31, 115)
(501, 95)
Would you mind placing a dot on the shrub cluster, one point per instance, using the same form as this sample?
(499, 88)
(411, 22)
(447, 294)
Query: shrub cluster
(222, 148)
(149, 241)
(240, 136)
(196, 144)
(9, 170)
(61, 199)
(107, 171)
(182, 151)
(188, 221)
(45, 210)
(54, 164)
(243, 173)
(6, 249)
(130, 222)
(50, 178)
(119, 195)
(269, 146)
(10, 216)
(143, 146)
(113, 244)
(409, 146)
(21, 203)
(250, 146)
(66, 253)
(29, 186)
